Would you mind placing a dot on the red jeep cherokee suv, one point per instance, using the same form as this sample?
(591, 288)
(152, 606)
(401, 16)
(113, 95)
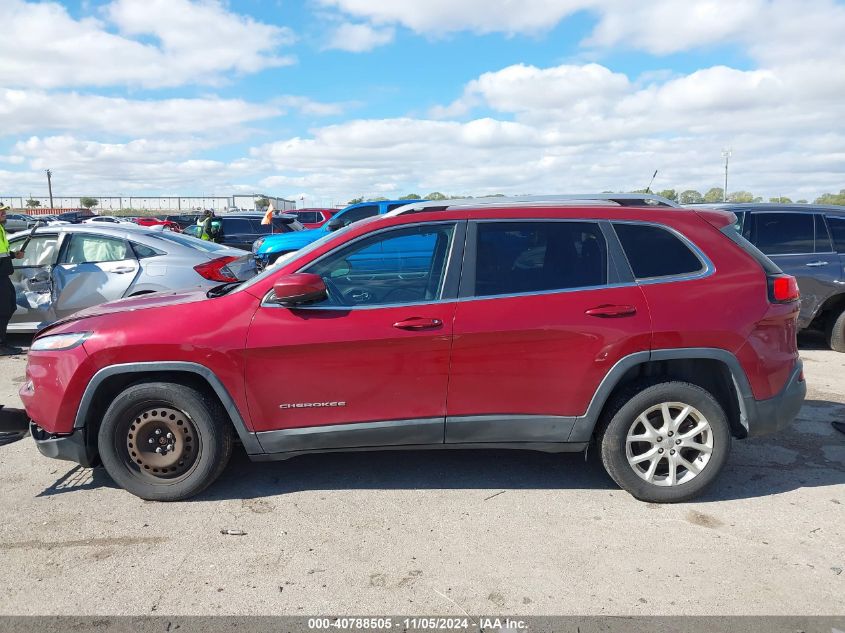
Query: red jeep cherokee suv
(656, 333)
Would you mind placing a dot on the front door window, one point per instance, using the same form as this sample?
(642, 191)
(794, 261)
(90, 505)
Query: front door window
(399, 266)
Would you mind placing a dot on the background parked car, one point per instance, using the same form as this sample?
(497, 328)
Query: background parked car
(808, 242)
(184, 219)
(75, 217)
(240, 230)
(71, 267)
(154, 221)
(315, 218)
(50, 220)
(268, 249)
(18, 222)
(105, 219)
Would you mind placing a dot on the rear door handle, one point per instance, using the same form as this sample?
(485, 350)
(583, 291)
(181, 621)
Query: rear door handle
(418, 323)
(611, 311)
(122, 270)
(816, 264)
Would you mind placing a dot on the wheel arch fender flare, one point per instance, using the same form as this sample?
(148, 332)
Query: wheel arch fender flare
(585, 425)
(247, 437)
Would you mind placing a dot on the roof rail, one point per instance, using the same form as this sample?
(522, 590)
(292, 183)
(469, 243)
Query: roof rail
(578, 199)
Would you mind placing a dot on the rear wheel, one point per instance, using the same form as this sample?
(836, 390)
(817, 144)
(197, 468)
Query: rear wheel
(836, 332)
(164, 441)
(665, 442)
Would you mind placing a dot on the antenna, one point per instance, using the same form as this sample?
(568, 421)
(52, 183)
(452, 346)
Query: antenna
(651, 182)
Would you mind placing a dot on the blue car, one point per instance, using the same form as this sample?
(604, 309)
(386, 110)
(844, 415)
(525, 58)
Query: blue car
(268, 249)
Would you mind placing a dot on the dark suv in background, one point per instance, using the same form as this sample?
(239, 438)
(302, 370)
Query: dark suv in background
(240, 230)
(806, 241)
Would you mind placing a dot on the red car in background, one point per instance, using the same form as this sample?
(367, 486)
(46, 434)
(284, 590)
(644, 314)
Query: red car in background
(153, 221)
(314, 218)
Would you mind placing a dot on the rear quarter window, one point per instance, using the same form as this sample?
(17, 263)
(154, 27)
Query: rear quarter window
(655, 252)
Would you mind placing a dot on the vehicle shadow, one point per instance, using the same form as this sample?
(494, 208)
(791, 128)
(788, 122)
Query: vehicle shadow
(79, 478)
(810, 453)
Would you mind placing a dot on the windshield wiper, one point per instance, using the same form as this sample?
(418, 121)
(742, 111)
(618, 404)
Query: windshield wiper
(222, 289)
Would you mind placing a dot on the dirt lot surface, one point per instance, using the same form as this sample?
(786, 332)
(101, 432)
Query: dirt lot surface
(437, 532)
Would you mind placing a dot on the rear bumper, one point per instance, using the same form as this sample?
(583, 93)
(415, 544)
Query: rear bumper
(73, 447)
(772, 415)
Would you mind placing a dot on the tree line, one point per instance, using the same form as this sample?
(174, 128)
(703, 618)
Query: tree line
(688, 196)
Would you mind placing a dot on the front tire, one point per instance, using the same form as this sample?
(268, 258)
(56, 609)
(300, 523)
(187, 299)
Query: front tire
(666, 442)
(164, 441)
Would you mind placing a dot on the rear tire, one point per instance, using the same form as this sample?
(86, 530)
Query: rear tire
(164, 441)
(664, 442)
(836, 333)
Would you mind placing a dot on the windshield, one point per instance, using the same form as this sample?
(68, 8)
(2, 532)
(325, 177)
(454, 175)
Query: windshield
(270, 270)
(190, 242)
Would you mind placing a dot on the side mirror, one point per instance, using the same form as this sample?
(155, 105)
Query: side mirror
(335, 223)
(299, 288)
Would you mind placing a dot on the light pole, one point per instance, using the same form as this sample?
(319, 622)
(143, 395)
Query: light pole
(726, 154)
(50, 185)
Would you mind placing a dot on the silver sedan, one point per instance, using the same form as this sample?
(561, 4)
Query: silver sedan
(68, 268)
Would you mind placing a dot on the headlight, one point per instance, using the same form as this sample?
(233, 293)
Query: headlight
(58, 342)
(257, 244)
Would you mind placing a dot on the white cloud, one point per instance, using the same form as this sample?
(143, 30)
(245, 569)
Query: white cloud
(586, 128)
(24, 111)
(770, 30)
(359, 38)
(31, 110)
(140, 165)
(159, 43)
(480, 16)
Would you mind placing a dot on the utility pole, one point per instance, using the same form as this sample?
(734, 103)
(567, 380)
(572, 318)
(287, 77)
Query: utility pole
(50, 186)
(726, 154)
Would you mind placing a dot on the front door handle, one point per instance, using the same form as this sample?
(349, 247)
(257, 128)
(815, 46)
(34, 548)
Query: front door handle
(611, 311)
(122, 270)
(418, 323)
(817, 264)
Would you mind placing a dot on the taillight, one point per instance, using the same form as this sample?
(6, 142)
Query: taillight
(216, 269)
(783, 289)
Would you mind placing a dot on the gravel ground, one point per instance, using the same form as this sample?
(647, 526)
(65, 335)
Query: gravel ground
(437, 532)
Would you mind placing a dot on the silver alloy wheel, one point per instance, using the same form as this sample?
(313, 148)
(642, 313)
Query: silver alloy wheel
(669, 444)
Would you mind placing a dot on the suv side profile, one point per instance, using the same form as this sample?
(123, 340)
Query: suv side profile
(806, 241)
(654, 333)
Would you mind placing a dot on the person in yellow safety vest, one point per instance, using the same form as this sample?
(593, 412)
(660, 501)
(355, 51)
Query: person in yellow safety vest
(205, 223)
(8, 300)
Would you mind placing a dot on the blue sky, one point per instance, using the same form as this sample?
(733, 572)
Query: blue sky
(331, 99)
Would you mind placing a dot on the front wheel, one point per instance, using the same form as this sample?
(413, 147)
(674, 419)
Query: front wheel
(164, 441)
(666, 442)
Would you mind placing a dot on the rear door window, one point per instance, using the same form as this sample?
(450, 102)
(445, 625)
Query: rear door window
(525, 257)
(655, 252)
(237, 225)
(784, 233)
(837, 229)
(309, 217)
(823, 242)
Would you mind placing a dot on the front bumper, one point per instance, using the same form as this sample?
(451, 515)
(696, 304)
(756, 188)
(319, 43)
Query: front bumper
(73, 447)
(772, 415)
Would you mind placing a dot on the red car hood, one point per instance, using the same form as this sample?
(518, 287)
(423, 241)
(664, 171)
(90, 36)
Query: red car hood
(142, 302)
